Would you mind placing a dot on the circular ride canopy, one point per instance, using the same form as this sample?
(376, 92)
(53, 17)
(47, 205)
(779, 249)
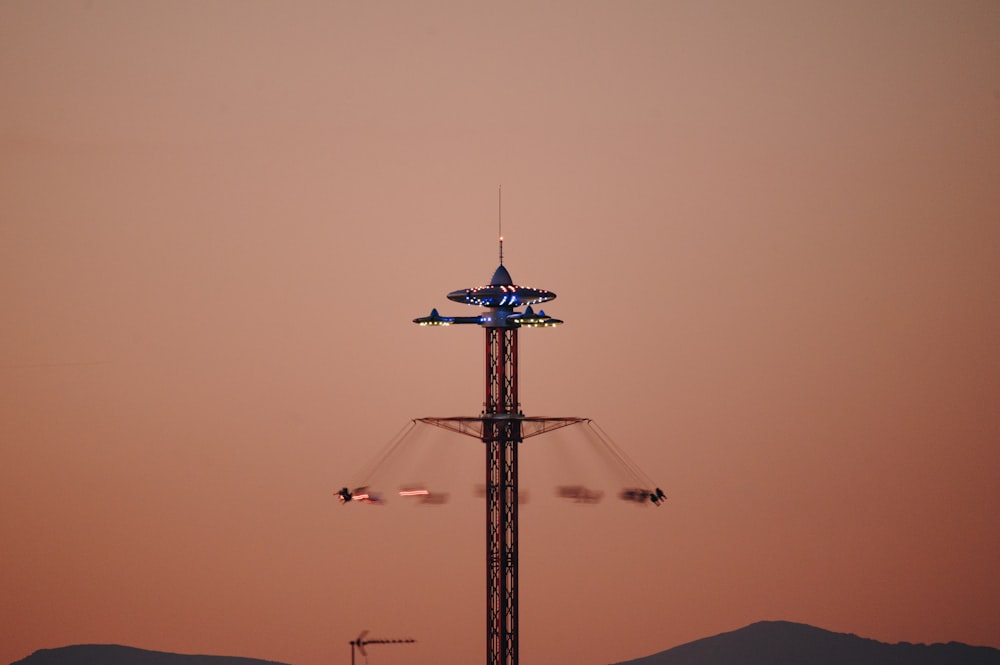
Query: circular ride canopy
(501, 293)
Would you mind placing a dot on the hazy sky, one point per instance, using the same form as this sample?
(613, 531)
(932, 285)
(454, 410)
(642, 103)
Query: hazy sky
(774, 229)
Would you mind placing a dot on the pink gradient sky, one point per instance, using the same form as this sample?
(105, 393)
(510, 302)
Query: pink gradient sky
(774, 229)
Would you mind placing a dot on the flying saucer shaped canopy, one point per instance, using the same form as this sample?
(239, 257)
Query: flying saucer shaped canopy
(501, 292)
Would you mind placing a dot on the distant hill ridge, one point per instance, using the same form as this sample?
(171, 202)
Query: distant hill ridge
(763, 643)
(787, 643)
(112, 654)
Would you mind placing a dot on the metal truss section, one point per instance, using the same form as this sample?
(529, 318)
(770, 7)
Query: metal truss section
(501, 436)
(501, 371)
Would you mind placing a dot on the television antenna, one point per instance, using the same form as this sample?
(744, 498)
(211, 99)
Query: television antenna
(360, 643)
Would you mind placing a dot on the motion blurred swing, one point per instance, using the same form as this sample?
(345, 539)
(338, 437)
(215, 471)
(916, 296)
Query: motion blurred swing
(637, 487)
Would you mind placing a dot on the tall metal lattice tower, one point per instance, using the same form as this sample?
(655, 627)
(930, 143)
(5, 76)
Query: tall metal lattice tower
(501, 426)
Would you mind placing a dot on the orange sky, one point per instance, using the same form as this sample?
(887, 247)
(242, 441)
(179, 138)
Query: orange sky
(773, 228)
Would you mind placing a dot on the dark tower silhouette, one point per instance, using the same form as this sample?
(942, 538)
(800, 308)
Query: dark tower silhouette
(502, 426)
(501, 431)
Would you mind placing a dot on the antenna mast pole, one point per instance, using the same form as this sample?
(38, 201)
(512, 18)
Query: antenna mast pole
(500, 219)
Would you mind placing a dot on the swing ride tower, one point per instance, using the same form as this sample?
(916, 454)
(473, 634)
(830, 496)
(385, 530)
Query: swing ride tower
(499, 427)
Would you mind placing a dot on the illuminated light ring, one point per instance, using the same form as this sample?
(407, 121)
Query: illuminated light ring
(501, 296)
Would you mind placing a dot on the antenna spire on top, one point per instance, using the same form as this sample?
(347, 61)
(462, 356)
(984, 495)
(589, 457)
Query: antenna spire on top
(500, 219)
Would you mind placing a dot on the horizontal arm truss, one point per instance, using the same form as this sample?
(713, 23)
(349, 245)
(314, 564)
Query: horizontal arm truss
(473, 425)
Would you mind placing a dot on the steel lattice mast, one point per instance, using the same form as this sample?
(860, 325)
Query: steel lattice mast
(500, 432)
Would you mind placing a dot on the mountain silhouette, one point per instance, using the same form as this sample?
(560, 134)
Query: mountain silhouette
(763, 643)
(787, 643)
(112, 654)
